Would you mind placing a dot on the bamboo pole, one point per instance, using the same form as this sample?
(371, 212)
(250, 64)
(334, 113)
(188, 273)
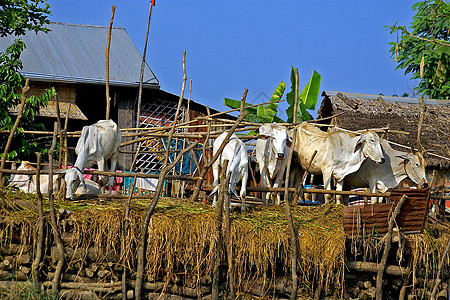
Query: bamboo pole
(59, 242)
(141, 78)
(387, 247)
(108, 45)
(125, 241)
(144, 231)
(40, 236)
(229, 244)
(13, 131)
(294, 117)
(419, 125)
(218, 241)
(293, 232)
(142, 242)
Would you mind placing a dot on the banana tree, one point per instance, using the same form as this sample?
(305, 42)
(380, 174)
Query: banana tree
(267, 113)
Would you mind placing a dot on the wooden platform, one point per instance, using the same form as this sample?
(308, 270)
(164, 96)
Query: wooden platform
(373, 218)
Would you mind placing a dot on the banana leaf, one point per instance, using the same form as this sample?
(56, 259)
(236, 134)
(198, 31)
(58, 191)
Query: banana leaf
(311, 91)
(251, 112)
(267, 113)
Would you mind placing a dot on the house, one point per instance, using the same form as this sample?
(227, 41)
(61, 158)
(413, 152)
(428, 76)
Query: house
(401, 115)
(71, 58)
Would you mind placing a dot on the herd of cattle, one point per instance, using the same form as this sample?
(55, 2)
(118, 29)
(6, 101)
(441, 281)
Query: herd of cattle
(352, 160)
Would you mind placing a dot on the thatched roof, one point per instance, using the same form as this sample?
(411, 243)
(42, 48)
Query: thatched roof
(360, 111)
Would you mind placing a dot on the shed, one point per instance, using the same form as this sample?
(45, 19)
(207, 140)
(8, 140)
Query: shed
(354, 111)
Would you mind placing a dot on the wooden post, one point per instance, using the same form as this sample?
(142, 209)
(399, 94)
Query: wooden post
(294, 117)
(142, 242)
(229, 244)
(141, 78)
(13, 130)
(108, 44)
(125, 241)
(219, 239)
(51, 197)
(292, 230)
(40, 236)
(387, 247)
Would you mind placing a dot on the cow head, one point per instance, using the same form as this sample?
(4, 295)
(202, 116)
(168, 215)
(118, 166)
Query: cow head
(279, 138)
(73, 177)
(414, 164)
(370, 146)
(22, 181)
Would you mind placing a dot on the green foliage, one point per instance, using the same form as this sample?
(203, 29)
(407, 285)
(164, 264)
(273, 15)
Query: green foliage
(268, 113)
(25, 290)
(424, 52)
(307, 98)
(18, 16)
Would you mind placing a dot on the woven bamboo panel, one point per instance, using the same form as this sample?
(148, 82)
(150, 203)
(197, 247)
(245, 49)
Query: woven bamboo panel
(50, 111)
(374, 218)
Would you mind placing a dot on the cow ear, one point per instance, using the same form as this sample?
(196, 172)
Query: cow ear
(289, 142)
(359, 144)
(62, 171)
(406, 156)
(80, 175)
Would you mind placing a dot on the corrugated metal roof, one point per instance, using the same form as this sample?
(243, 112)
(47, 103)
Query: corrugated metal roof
(388, 98)
(76, 54)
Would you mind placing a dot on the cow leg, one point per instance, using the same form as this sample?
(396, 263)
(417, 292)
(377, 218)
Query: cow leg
(243, 190)
(102, 178)
(113, 161)
(264, 183)
(215, 183)
(327, 184)
(339, 187)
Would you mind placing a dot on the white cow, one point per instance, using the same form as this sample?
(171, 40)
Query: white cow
(399, 165)
(271, 152)
(98, 143)
(339, 153)
(236, 154)
(27, 183)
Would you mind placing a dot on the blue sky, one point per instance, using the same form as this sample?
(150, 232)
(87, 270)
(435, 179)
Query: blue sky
(232, 45)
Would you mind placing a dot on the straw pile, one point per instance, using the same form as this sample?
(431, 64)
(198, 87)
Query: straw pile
(181, 242)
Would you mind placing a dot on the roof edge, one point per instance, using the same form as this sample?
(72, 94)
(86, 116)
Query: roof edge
(72, 79)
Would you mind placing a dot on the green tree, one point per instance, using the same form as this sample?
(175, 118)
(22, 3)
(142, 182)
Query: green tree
(16, 18)
(424, 50)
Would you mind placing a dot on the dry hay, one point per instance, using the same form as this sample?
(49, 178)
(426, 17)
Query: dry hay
(182, 235)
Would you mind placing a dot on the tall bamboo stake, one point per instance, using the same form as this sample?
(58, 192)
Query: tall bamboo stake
(141, 79)
(40, 237)
(218, 242)
(13, 130)
(292, 230)
(108, 44)
(142, 244)
(294, 117)
(59, 243)
(125, 241)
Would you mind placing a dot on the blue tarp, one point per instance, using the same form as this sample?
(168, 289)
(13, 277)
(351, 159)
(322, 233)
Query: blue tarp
(188, 167)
